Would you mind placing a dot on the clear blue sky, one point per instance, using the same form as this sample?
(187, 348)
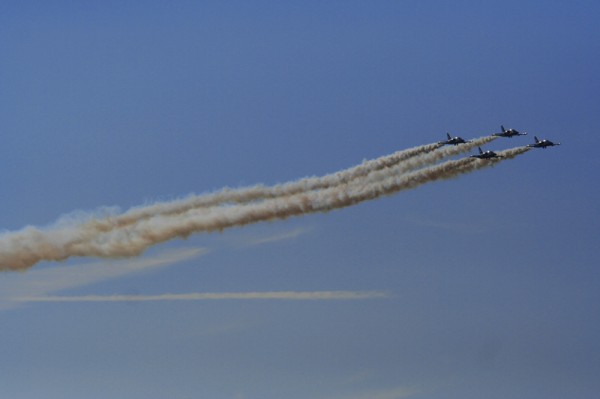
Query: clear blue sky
(492, 281)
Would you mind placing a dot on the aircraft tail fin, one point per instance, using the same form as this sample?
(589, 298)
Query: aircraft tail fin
(480, 150)
(449, 137)
(503, 129)
(536, 139)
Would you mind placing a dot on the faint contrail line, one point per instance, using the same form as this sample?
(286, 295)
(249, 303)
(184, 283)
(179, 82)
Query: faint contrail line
(203, 296)
(22, 249)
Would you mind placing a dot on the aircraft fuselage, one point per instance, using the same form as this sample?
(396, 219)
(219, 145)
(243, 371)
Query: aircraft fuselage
(542, 143)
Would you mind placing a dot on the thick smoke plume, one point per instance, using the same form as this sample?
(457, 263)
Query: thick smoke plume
(407, 160)
(133, 232)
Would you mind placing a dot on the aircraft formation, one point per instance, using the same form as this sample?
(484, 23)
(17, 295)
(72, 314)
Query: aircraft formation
(510, 133)
(130, 233)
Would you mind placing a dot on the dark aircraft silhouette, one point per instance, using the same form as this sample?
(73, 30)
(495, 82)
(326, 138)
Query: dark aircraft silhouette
(486, 155)
(453, 140)
(542, 143)
(509, 133)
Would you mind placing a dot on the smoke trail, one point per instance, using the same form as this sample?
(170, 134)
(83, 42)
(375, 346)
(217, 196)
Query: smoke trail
(212, 296)
(409, 159)
(23, 249)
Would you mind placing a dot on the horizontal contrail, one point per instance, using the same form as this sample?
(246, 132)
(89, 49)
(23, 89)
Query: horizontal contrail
(204, 296)
(22, 249)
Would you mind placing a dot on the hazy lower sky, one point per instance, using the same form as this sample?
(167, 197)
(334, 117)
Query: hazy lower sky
(485, 285)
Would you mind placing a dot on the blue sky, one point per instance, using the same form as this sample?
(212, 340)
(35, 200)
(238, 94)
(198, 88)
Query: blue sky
(490, 280)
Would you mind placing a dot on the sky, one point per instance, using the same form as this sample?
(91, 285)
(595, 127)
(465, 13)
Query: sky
(484, 285)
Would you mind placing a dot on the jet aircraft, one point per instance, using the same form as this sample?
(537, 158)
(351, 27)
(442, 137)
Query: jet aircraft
(486, 154)
(509, 133)
(542, 143)
(453, 140)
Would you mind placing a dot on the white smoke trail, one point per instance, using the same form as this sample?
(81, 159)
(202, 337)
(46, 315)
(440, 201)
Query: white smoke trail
(23, 249)
(409, 160)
